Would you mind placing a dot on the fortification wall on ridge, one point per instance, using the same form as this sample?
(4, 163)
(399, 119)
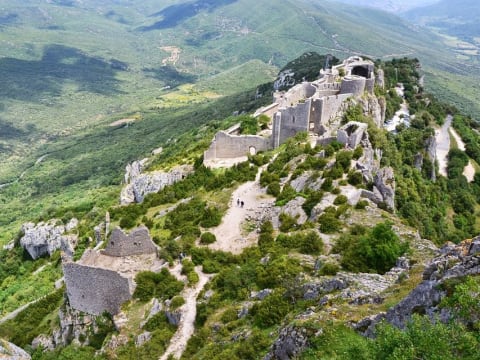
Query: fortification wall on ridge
(95, 290)
(289, 121)
(136, 243)
(226, 146)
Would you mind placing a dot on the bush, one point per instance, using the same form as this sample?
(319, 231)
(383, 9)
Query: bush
(361, 205)
(288, 223)
(375, 251)
(229, 315)
(340, 199)
(176, 302)
(207, 238)
(271, 310)
(160, 285)
(355, 178)
(329, 269)
(329, 223)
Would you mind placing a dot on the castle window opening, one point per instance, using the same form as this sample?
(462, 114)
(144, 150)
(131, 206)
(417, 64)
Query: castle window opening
(293, 119)
(112, 243)
(360, 71)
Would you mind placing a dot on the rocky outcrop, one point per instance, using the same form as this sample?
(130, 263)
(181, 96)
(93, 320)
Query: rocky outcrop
(294, 209)
(454, 261)
(75, 326)
(289, 345)
(384, 185)
(357, 289)
(383, 189)
(9, 351)
(139, 184)
(45, 238)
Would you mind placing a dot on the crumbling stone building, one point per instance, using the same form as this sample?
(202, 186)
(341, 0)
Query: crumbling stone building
(309, 106)
(103, 280)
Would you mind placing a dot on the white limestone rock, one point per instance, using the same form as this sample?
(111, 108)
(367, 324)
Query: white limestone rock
(47, 237)
(9, 351)
(139, 184)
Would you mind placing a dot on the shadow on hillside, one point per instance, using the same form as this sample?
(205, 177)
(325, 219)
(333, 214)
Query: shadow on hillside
(170, 76)
(39, 80)
(9, 131)
(176, 14)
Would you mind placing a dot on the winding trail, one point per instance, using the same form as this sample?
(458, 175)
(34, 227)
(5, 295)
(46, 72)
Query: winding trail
(186, 327)
(443, 146)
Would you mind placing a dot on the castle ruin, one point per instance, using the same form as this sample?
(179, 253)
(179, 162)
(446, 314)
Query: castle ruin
(102, 280)
(309, 106)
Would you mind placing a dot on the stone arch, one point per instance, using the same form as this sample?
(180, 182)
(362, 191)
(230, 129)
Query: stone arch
(361, 71)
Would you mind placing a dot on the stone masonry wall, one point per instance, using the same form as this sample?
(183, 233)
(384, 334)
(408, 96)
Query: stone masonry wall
(95, 290)
(326, 109)
(289, 121)
(136, 243)
(226, 146)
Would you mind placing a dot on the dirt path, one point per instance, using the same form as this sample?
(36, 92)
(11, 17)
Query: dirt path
(229, 232)
(469, 171)
(189, 312)
(443, 146)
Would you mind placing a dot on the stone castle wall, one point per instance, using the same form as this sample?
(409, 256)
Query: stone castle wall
(326, 109)
(289, 121)
(267, 110)
(295, 95)
(95, 290)
(353, 84)
(226, 146)
(136, 243)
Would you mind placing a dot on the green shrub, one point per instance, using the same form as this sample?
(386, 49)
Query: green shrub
(192, 278)
(329, 223)
(355, 178)
(340, 200)
(207, 238)
(313, 198)
(357, 153)
(265, 239)
(287, 222)
(329, 269)
(176, 302)
(161, 285)
(361, 204)
(274, 188)
(270, 311)
(375, 251)
(229, 315)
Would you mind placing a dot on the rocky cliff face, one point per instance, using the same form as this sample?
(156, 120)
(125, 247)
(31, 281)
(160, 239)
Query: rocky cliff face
(454, 261)
(75, 326)
(139, 184)
(9, 351)
(46, 238)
